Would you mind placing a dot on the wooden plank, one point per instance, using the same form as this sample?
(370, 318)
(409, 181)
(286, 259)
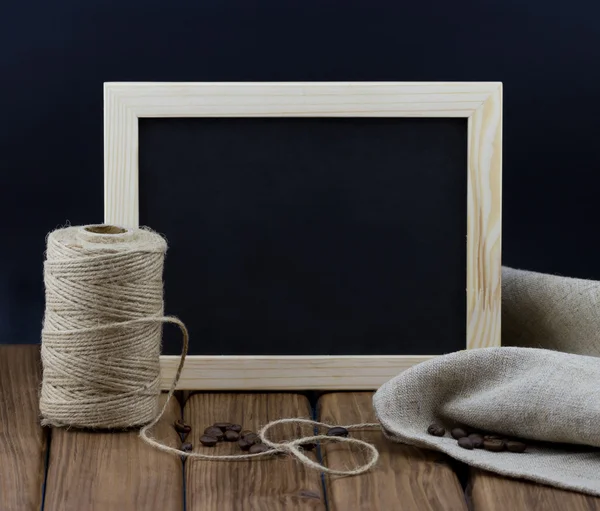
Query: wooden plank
(22, 439)
(484, 223)
(491, 492)
(405, 478)
(285, 373)
(277, 483)
(105, 471)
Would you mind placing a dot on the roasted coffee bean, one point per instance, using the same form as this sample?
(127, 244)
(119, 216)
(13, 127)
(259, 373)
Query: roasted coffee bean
(208, 441)
(231, 436)
(337, 431)
(234, 427)
(515, 446)
(492, 437)
(466, 443)
(222, 425)
(244, 446)
(257, 448)
(187, 447)
(308, 446)
(246, 432)
(436, 430)
(252, 438)
(182, 427)
(213, 431)
(476, 440)
(458, 433)
(493, 445)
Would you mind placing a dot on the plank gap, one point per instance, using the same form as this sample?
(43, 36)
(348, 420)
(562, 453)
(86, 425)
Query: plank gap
(46, 464)
(182, 400)
(318, 452)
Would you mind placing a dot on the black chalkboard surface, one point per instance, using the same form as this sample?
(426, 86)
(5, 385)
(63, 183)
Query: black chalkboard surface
(310, 236)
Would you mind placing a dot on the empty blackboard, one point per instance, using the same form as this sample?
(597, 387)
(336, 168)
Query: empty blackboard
(324, 236)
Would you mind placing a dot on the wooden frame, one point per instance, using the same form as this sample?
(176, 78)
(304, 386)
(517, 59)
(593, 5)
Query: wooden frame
(480, 103)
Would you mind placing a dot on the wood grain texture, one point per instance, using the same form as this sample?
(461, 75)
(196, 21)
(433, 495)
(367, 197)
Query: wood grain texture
(120, 162)
(490, 492)
(405, 478)
(22, 439)
(278, 483)
(298, 373)
(99, 471)
(484, 223)
(480, 102)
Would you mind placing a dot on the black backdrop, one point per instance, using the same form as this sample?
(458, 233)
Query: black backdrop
(54, 57)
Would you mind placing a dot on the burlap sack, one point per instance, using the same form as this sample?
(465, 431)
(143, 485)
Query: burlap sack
(551, 312)
(523, 392)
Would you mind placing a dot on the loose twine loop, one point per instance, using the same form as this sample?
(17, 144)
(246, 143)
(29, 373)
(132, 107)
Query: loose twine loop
(292, 447)
(102, 336)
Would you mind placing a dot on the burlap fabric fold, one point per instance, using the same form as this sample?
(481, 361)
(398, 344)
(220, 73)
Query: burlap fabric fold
(551, 312)
(534, 394)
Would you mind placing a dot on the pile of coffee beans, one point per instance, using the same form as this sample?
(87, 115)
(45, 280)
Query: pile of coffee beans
(471, 439)
(222, 432)
(247, 440)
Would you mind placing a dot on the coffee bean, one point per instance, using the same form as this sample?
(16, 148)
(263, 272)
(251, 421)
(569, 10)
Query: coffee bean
(515, 446)
(436, 430)
(458, 433)
(235, 427)
(466, 443)
(337, 431)
(492, 437)
(208, 441)
(222, 425)
(252, 438)
(244, 446)
(213, 431)
(182, 427)
(493, 444)
(246, 432)
(308, 446)
(187, 447)
(476, 440)
(231, 436)
(257, 448)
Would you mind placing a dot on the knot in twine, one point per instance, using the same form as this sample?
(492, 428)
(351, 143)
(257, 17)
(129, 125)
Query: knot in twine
(102, 335)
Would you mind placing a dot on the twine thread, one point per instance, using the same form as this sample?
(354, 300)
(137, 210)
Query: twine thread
(101, 343)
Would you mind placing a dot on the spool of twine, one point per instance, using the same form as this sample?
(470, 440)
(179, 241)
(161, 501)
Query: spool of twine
(101, 342)
(102, 331)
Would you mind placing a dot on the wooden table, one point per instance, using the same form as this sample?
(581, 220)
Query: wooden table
(61, 470)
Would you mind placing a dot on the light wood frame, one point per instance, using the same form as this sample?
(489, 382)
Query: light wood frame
(479, 102)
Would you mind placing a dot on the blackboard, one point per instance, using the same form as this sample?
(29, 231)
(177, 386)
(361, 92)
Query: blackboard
(310, 236)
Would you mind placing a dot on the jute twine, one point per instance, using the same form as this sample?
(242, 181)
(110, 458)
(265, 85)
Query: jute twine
(101, 342)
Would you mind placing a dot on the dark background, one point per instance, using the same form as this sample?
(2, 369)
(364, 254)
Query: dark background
(54, 57)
